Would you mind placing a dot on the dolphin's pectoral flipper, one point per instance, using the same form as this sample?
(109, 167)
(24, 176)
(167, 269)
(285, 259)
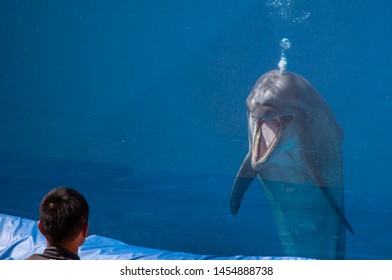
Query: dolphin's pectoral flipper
(338, 211)
(244, 178)
(329, 195)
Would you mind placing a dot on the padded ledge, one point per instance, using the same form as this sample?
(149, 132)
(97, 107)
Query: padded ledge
(21, 238)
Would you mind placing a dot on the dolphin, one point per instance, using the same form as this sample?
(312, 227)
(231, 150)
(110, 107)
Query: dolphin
(295, 148)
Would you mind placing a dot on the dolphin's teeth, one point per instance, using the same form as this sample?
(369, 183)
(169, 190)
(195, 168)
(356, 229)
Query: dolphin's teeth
(256, 140)
(259, 146)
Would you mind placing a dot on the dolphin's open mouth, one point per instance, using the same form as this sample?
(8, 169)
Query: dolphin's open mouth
(265, 137)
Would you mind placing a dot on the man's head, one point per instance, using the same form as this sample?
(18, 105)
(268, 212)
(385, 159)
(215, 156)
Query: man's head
(64, 216)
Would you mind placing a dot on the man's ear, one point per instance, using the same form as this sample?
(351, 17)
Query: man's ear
(83, 234)
(84, 230)
(40, 228)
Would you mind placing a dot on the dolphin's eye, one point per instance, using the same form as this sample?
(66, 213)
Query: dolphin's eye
(258, 112)
(265, 111)
(267, 104)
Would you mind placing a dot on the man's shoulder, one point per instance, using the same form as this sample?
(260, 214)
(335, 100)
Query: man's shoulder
(54, 253)
(38, 257)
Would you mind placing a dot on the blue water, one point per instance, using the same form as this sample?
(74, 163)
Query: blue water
(159, 87)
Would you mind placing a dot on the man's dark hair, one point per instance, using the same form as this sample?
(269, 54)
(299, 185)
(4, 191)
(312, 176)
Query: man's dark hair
(63, 214)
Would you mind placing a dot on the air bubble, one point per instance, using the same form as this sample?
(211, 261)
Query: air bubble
(282, 65)
(285, 44)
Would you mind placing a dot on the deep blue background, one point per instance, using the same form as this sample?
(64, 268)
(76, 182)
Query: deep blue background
(161, 85)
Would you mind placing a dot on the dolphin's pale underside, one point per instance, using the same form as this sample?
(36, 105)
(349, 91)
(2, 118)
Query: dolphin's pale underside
(295, 150)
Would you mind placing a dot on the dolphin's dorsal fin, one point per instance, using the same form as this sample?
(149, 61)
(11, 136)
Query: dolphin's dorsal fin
(244, 178)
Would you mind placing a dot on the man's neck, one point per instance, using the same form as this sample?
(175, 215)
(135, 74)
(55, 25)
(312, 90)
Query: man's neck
(71, 247)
